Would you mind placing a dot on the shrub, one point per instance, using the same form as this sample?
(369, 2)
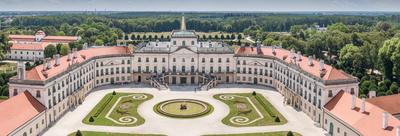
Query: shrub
(91, 119)
(290, 133)
(277, 119)
(114, 93)
(78, 133)
(254, 93)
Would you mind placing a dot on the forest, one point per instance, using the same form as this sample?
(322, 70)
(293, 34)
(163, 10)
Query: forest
(366, 46)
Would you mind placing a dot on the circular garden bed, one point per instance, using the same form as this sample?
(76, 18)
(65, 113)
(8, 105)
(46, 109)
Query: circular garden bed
(183, 108)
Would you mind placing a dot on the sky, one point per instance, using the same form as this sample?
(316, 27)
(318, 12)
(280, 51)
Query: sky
(200, 5)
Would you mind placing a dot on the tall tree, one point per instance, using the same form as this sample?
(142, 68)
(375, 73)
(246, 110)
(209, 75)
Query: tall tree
(49, 51)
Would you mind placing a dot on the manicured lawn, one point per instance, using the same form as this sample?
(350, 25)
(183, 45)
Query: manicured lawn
(259, 134)
(248, 110)
(194, 108)
(7, 67)
(92, 133)
(123, 114)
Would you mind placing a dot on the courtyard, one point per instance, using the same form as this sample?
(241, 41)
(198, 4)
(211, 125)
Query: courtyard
(140, 102)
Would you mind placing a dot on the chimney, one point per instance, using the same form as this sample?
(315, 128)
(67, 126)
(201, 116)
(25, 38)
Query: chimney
(363, 105)
(21, 70)
(372, 94)
(310, 61)
(57, 61)
(398, 131)
(353, 102)
(75, 53)
(385, 117)
(273, 50)
(49, 64)
(258, 47)
(292, 54)
(69, 57)
(44, 64)
(321, 65)
(298, 56)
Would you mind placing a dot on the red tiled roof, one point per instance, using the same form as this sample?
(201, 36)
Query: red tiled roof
(31, 38)
(36, 73)
(20, 37)
(330, 72)
(18, 110)
(389, 103)
(34, 46)
(368, 123)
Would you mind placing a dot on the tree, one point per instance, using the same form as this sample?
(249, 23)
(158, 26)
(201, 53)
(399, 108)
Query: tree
(91, 119)
(99, 42)
(277, 119)
(78, 133)
(64, 50)
(389, 56)
(351, 59)
(114, 93)
(58, 47)
(290, 133)
(49, 51)
(338, 26)
(254, 93)
(394, 87)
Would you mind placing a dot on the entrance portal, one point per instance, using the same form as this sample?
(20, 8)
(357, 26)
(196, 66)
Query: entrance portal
(183, 80)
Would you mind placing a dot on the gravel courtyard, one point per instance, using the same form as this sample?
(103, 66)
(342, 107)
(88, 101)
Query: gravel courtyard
(210, 124)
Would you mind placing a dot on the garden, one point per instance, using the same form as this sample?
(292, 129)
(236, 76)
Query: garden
(250, 109)
(118, 109)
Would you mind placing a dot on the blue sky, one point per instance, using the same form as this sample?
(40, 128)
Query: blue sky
(200, 5)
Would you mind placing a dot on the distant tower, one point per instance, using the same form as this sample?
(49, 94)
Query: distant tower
(183, 23)
(39, 36)
(258, 44)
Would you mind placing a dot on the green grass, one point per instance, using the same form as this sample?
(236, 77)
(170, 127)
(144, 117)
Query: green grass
(93, 133)
(267, 110)
(173, 110)
(102, 108)
(3, 97)
(259, 134)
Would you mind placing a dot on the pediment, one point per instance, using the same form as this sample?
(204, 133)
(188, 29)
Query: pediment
(183, 50)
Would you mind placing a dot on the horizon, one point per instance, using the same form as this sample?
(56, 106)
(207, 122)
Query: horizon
(203, 6)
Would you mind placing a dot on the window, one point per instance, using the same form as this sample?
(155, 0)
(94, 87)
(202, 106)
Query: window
(163, 59)
(173, 59)
(37, 94)
(352, 91)
(219, 60)
(227, 60)
(15, 92)
(155, 59)
(211, 60)
(139, 59)
(174, 42)
(147, 59)
(192, 60)
(203, 60)
(192, 42)
(330, 93)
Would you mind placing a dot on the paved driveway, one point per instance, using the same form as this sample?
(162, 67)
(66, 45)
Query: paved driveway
(210, 124)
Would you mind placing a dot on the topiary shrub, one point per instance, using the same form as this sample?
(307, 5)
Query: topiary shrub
(254, 93)
(277, 119)
(91, 119)
(78, 133)
(290, 133)
(114, 93)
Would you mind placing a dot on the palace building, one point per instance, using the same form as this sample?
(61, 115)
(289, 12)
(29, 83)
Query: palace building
(307, 84)
(31, 47)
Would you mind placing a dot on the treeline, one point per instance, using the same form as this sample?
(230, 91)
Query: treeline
(228, 22)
